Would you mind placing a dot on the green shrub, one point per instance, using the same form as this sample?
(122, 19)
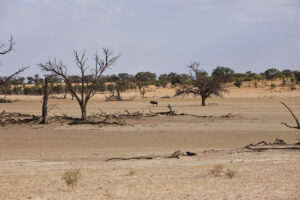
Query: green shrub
(238, 83)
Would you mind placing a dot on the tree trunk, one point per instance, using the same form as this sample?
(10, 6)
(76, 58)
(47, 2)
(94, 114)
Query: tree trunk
(203, 98)
(83, 112)
(45, 102)
(118, 95)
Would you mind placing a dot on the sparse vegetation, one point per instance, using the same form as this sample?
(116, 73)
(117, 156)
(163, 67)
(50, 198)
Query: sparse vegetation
(217, 170)
(132, 172)
(230, 173)
(72, 177)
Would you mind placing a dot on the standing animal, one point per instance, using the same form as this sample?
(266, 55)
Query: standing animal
(154, 103)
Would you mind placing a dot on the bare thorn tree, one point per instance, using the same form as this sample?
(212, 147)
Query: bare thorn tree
(87, 89)
(4, 51)
(202, 85)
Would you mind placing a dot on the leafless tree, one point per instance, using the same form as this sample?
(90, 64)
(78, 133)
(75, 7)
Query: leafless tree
(202, 85)
(5, 49)
(87, 89)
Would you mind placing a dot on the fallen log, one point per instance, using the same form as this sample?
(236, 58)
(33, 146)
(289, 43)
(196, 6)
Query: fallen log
(134, 158)
(278, 144)
(176, 154)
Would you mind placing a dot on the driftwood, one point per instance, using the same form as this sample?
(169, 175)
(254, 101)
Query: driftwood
(113, 97)
(134, 158)
(278, 144)
(17, 118)
(172, 112)
(176, 154)
(4, 100)
(297, 122)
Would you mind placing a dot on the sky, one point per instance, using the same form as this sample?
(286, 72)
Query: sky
(160, 36)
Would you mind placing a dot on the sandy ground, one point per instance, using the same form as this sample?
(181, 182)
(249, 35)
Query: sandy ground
(34, 158)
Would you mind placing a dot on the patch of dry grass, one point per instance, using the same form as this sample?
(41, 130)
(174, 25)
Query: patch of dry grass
(71, 177)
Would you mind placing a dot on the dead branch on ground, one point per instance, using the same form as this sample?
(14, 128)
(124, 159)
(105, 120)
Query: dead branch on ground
(298, 124)
(176, 154)
(17, 118)
(278, 144)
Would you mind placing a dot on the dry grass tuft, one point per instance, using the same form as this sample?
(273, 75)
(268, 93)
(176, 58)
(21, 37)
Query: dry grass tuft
(217, 170)
(71, 177)
(132, 172)
(230, 173)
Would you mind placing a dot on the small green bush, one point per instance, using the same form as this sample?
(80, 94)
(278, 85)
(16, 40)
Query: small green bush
(238, 83)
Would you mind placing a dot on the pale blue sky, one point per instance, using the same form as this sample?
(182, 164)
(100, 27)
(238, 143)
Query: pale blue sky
(154, 35)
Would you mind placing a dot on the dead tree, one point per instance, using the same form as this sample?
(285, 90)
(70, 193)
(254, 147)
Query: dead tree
(87, 89)
(45, 103)
(3, 51)
(297, 122)
(202, 85)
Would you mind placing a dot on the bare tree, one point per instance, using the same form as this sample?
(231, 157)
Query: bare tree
(5, 49)
(87, 89)
(202, 85)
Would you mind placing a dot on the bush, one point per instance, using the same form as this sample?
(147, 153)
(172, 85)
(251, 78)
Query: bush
(272, 73)
(71, 177)
(238, 83)
(111, 87)
(101, 87)
(17, 90)
(35, 90)
(272, 86)
(248, 79)
(57, 89)
(255, 84)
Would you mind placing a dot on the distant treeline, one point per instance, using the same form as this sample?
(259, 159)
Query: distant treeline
(124, 81)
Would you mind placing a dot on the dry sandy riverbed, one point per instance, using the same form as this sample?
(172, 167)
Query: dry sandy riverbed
(34, 158)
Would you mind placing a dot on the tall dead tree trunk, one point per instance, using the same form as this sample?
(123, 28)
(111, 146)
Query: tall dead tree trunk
(45, 103)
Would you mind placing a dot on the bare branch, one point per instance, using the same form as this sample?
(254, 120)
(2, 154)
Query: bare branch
(298, 124)
(13, 75)
(10, 46)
